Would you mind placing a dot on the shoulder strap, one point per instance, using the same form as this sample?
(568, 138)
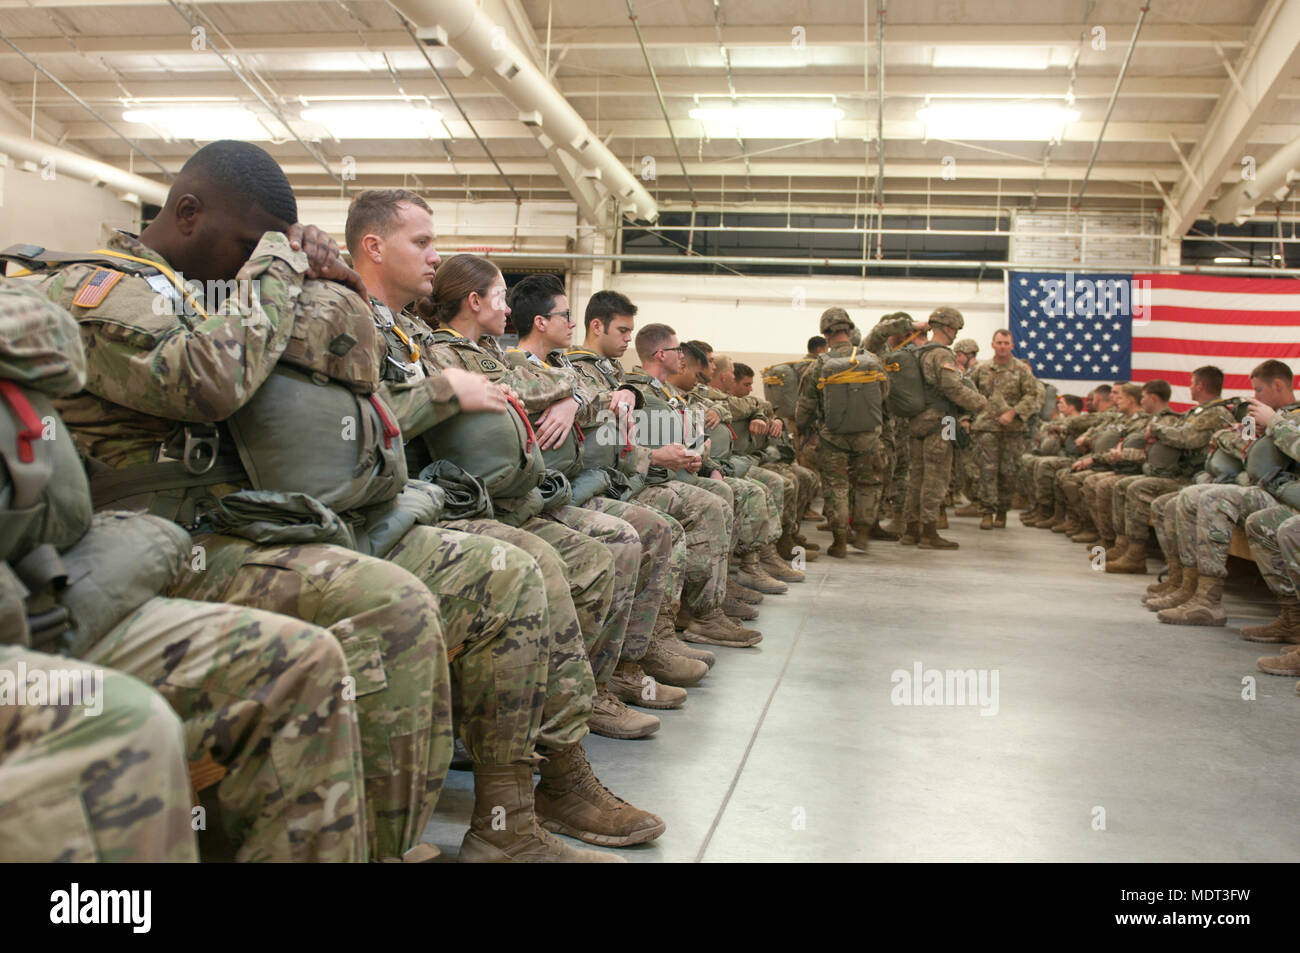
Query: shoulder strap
(35, 258)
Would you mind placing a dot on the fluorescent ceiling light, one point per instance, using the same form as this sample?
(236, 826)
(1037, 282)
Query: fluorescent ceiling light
(769, 122)
(992, 57)
(984, 121)
(378, 121)
(1231, 261)
(205, 123)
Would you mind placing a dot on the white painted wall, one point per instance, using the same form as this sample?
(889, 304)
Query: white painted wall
(63, 214)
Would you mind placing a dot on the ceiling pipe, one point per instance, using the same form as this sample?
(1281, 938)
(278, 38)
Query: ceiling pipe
(484, 46)
(1270, 181)
(924, 264)
(81, 167)
(1114, 98)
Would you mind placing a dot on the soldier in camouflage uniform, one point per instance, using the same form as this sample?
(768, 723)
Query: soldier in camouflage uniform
(1107, 450)
(931, 443)
(390, 233)
(707, 518)
(965, 463)
(284, 736)
(540, 315)
(1274, 535)
(998, 433)
(848, 461)
(1204, 516)
(1182, 449)
(892, 331)
(389, 622)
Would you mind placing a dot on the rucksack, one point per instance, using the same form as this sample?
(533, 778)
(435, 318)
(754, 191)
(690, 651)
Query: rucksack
(781, 386)
(909, 394)
(850, 393)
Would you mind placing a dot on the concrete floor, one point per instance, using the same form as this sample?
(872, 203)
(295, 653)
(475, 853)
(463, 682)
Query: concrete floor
(794, 751)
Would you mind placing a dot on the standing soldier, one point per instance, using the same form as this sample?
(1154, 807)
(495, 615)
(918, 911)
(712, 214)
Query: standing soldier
(933, 431)
(1014, 395)
(841, 400)
(965, 464)
(894, 332)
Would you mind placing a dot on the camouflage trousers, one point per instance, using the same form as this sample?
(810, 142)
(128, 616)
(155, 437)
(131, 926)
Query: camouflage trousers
(931, 465)
(570, 685)
(266, 698)
(853, 483)
(754, 523)
(783, 489)
(1207, 514)
(1274, 535)
(1164, 522)
(1098, 491)
(780, 498)
(897, 444)
(806, 486)
(621, 541)
(1044, 480)
(1131, 503)
(391, 632)
(662, 555)
(998, 455)
(708, 522)
(82, 783)
(1069, 488)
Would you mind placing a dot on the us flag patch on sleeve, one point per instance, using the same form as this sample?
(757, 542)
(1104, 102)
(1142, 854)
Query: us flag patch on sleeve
(96, 287)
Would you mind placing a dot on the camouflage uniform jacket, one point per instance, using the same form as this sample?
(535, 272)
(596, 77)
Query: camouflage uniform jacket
(600, 377)
(1193, 430)
(1009, 386)
(149, 368)
(450, 348)
(418, 395)
(939, 370)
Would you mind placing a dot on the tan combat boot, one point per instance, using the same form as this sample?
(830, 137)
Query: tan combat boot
(1172, 581)
(785, 545)
(1288, 663)
(986, 521)
(634, 687)
(663, 639)
(970, 509)
(810, 549)
(753, 575)
(1133, 560)
(1176, 597)
(1070, 525)
(1087, 531)
(999, 519)
(741, 611)
(942, 522)
(859, 537)
(743, 593)
(930, 539)
(1117, 547)
(1029, 516)
(504, 828)
(879, 532)
(1204, 608)
(1285, 628)
(610, 718)
(1059, 517)
(1050, 515)
(571, 800)
(811, 514)
(715, 628)
(838, 548)
(776, 567)
(897, 525)
(911, 536)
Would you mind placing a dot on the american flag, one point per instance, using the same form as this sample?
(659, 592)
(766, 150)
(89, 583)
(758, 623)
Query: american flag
(1111, 327)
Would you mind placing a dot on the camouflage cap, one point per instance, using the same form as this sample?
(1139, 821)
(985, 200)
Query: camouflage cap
(948, 317)
(966, 346)
(835, 319)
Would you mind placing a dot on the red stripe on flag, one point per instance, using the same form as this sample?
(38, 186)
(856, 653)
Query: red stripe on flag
(1167, 314)
(1184, 379)
(1216, 348)
(1220, 283)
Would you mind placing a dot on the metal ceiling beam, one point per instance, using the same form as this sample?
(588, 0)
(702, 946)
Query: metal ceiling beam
(976, 84)
(1267, 65)
(850, 130)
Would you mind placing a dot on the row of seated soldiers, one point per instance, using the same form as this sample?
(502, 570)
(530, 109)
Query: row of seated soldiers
(312, 527)
(1111, 471)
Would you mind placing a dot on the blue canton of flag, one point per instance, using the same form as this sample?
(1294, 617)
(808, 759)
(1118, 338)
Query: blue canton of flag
(1071, 326)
